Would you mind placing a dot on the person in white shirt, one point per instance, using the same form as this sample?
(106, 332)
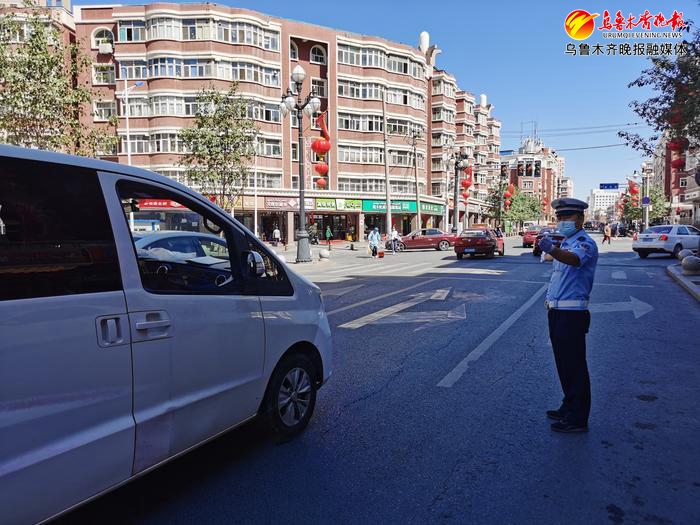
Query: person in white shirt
(374, 239)
(276, 236)
(395, 238)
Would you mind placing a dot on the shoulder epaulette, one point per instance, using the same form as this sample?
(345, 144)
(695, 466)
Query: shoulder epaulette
(581, 239)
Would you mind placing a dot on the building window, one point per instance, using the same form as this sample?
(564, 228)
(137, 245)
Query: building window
(373, 58)
(105, 109)
(683, 182)
(139, 143)
(295, 151)
(370, 123)
(163, 29)
(271, 148)
(102, 36)
(133, 69)
(319, 86)
(264, 112)
(197, 68)
(349, 55)
(195, 29)
(318, 55)
(293, 51)
(361, 154)
(165, 67)
(436, 188)
(138, 107)
(103, 74)
(163, 105)
(265, 180)
(132, 31)
(166, 143)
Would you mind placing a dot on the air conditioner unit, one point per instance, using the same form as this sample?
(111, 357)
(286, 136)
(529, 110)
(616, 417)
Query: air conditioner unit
(105, 48)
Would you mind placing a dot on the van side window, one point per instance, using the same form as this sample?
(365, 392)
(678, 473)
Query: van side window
(181, 247)
(275, 280)
(56, 237)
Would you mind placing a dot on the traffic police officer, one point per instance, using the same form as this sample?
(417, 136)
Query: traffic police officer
(569, 289)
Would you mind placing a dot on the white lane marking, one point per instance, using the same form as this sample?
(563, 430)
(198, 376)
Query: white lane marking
(348, 268)
(383, 296)
(418, 298)
(639, 308)
(619, 275)
(341, 291)
(458, 371)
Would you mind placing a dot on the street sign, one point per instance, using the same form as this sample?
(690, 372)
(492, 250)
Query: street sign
(646, 201)
(609, 186)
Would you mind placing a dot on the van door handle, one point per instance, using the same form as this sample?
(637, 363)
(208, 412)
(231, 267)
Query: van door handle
(147, 325)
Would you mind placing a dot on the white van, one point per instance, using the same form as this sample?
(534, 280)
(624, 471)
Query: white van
(115, 360)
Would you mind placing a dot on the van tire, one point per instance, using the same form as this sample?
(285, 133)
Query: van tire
(294, 373)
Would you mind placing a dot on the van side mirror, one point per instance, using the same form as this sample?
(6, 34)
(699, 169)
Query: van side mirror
(255, 264)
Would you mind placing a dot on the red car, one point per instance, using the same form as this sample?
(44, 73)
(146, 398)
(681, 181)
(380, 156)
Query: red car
(425, 238)
(553, 233)
(480, 241)
(530, 235)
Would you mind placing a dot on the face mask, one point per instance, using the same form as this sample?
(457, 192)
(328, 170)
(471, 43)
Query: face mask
(567, 228)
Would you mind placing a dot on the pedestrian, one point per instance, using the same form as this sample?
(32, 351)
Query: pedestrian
(499, 233)
(395, 238)
(575, 262)
(329, 236)
(607, 232)
(374, 240)
(276, 236)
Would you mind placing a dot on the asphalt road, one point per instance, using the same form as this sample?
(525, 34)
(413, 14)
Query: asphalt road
(435, 411)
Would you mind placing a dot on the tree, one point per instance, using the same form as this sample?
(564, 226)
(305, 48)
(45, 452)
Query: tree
(523, 207)
(659, 206)
(675, 107)
(220, 145)
(41, 101)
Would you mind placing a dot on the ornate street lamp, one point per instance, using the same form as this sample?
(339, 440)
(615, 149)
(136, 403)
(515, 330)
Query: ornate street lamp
(310, 105)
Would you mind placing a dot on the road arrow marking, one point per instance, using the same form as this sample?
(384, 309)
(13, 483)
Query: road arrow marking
(621, 275)
(386, 312)
(639, 308)
(436, 316)
(341, 291)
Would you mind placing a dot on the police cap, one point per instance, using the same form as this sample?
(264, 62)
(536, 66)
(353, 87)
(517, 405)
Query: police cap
(567, 206)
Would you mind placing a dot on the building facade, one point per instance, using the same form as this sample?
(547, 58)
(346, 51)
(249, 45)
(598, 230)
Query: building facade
(383, 101)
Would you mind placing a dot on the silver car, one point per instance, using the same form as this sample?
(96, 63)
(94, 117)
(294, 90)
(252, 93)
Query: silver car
(667, 238)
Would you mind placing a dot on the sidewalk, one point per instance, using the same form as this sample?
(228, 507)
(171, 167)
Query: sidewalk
(691, 283)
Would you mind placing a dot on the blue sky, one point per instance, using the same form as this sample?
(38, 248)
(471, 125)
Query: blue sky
(514, 52)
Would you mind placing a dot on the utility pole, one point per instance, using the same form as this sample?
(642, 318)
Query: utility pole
(386, 170)
(414, 137)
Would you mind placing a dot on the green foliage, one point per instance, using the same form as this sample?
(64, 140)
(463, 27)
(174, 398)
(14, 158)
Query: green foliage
(659, 206)
(523, 207)
(674, 107)
(220, 144)
(40, 99)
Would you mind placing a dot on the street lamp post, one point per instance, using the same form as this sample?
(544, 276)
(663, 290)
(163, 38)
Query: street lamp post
(310, 105)
(255, 185)
(461, 162)
(502, 185)
(127, 110)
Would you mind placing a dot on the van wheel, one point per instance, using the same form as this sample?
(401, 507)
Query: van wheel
(291, 395)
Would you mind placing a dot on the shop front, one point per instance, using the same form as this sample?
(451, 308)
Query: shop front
(403, 215)
(283, 213)
(340, 215)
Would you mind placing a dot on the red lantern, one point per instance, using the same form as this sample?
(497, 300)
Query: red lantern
(677, 164)
(321, 146)
(511, 189)
(678, 211)
(321, 183)
(678, 144)
(467, 183)
(321, 168)
(634, 190)
(465, 195)
(507, 195)
(507, 203)
(464, 183)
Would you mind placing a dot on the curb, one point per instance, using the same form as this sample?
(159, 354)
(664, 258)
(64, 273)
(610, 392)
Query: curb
(685, 281)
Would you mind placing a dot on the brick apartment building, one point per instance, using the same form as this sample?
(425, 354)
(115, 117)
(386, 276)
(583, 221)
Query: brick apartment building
(172, 51)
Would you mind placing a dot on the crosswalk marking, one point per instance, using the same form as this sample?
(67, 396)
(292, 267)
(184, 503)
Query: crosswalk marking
(619, 275)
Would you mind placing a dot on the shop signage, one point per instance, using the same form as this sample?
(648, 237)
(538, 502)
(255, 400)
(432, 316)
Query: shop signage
(157, 204)
(347, 204)
(432, 209)
(325, 204)
(287, 203)
(396, 206)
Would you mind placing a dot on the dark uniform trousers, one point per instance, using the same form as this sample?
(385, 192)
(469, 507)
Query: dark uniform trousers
(567, 331)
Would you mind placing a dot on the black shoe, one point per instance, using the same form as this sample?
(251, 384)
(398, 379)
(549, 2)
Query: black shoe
(567, 427)
(555, 414)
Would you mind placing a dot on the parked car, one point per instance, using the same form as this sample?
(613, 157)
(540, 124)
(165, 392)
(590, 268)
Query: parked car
(185, 243)
(115, 359)
(530, 235)
(667, 238)
(481, 241)
(557, 238)
(425, 238)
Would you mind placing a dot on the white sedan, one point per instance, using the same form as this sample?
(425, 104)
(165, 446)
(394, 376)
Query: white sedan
(668, 238)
